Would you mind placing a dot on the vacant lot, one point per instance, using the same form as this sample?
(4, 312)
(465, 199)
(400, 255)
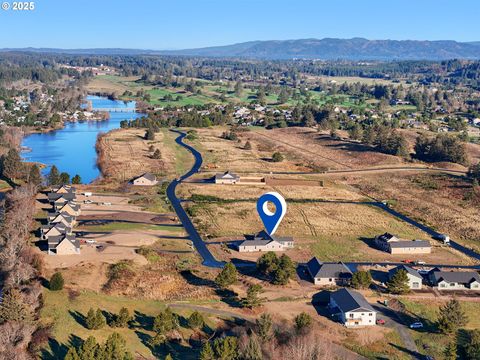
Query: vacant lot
(125, 154)
(445, 202)
(331, 231)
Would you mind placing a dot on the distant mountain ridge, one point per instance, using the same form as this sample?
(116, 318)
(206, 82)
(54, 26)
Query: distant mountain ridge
(326, 49)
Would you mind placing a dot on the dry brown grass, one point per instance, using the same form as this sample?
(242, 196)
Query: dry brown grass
(447, 208)
(125, 154)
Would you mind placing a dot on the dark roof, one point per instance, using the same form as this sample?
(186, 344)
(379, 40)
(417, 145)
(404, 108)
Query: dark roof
(409, 244)
(227, 174)
(349, 300)
(148, 176)
(60, 226)
(317, 269)
(263, 235)
(65, 215)
(255, 242)
(462, 277)
(408, 269)
(386, 237)
(67, 196)
(54, 241)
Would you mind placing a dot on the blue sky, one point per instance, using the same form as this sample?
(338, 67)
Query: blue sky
(176, 24)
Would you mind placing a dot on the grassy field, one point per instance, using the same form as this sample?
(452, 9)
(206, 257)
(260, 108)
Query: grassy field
(66, 313)
(429, 338)
(209, 93)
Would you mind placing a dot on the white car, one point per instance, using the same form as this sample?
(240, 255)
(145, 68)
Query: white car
(416, 325)
(90, 241)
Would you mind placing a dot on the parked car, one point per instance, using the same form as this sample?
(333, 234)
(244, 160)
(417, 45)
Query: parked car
(407, 261)
(420, 262)
(443, 237)
(90, 241)
(380, 322)
(88, 201)
(416, 325)
(107, 203)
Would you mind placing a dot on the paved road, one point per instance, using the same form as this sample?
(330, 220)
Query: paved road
(208, 258)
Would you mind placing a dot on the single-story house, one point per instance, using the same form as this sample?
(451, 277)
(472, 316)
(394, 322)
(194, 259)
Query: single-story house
(55, 230)
(71, 208)
(146, 179)
(227, 178)
(352, 308)
(392, 244)
(64, 189)
(63, 245)
(415, 280)
(262, 241)
(326, 274)
(454, 280)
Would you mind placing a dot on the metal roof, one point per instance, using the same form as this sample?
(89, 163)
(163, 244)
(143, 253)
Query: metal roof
(462, 277)
(408, 269)
(318, 269)
(410, 244)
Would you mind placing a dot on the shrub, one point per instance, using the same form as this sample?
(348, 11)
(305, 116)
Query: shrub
(56, 282)
(277, 157)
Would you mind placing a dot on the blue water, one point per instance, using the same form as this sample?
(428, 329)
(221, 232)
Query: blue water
(72, 149)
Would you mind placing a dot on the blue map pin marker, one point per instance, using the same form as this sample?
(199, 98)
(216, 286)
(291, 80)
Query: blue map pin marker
(270, 219)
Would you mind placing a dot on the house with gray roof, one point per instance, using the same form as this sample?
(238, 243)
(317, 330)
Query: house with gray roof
(415, 280)
(392, 244)
(146, 179)
(60, 199)
(352, 309)
(54, 230)
(226, 178)
(63, 245)
(63, 217)
(454, 280)
(262, 241)
(329, 274)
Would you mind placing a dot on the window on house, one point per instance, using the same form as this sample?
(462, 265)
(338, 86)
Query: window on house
(370, 314)
(351, 316)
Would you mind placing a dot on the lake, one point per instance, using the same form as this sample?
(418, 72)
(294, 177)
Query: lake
(72, 149)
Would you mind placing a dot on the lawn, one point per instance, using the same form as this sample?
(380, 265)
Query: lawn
(183, 157)
(66, 313)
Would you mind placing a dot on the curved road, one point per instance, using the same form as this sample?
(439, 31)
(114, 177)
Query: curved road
(208, 258)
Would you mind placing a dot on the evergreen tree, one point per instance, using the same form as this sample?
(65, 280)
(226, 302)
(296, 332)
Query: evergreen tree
(277, 157)
(76, 179)
(123, 318)
(100, 320)
(451, 317)
(35, 177)
(64, 178)
(261, 96)
(361, 280)
(227, 277)
(115, 348)
(285, 270)
(252, 300)
(89, 348)
(72, 354)
(90, 320)
(165, 322)
(150, 134)
(302, 322)
(238, 88)
(248, 146)
(398, 284)
(267, 263)
(12, 164)
(283, 96)
(472, 349)
(195, 320)
(252, 349)
(207, 352)
(450, 352)
(226, 348)
(264, 327)
(13, 308)
(56, 282)
(53, 177)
